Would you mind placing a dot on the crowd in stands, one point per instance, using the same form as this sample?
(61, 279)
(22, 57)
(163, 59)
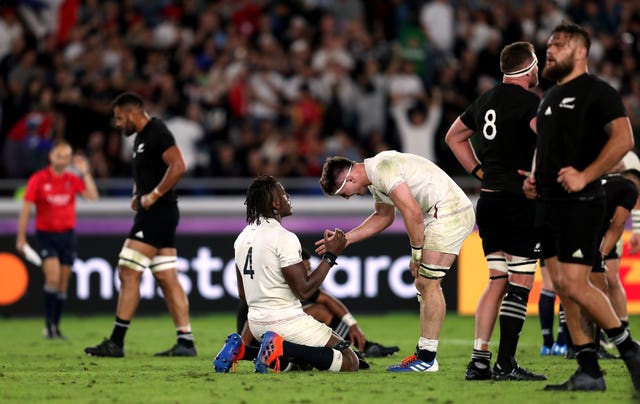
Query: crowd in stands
(254, 87)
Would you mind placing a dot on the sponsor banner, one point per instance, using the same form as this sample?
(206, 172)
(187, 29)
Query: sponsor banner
(473, 277)
(372, 276)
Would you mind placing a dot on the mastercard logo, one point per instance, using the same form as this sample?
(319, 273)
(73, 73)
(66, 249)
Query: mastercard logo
(14, 279)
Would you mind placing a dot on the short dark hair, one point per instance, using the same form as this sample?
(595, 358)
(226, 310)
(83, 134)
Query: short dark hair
(260, 196)
(514, 56)
(574, 31)
(128, 99)
(632, 172)
(332, 167)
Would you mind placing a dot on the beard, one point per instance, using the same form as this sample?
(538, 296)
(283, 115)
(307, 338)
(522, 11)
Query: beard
(558, 71)
(128, 130)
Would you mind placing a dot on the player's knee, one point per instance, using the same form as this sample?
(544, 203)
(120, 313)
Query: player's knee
(165, 277)
(426, 287)
(613, 281)
(570, 289)
(132, 259)
(128, 276)
(524, 280)
(497, 282)
(348, 360)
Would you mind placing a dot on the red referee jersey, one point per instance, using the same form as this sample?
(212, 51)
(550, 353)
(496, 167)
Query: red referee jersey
(55, 199)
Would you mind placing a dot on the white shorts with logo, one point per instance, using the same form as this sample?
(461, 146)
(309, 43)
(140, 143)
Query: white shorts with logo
(300, 329)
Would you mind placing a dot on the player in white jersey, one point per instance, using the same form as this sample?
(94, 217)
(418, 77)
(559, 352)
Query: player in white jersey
(272, 280)
(438, 217)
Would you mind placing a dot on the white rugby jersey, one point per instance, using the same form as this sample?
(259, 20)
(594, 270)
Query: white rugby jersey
(260, 253)
(437, 194)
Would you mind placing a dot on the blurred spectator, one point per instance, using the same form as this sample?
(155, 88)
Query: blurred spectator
(418, 124)
(371, 100)
(225, 164)
(404, 84)
(189, 134)
(10, 30)
(29, 141)
(305, 111)
(315, 70)
(437, 19)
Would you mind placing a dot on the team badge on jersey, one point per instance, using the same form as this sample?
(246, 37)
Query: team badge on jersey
(567, 103)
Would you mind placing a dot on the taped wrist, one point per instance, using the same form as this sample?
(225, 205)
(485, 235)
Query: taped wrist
(416, 253)
(349, 320)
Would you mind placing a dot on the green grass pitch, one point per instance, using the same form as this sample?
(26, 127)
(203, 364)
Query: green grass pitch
(34, 370)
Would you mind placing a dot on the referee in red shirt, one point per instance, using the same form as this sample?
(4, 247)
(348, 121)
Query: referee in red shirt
(53, 191)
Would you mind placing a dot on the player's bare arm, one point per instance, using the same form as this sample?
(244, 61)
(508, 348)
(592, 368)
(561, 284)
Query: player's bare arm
(376, 222)
(176, 168)
(338, 309)
(23, 220)
(619, 143)
(458, 138)
(411, 213)
(615, 230)
(305, 284)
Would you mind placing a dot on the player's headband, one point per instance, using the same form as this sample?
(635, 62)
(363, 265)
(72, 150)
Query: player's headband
(345, 181)
(525, 71)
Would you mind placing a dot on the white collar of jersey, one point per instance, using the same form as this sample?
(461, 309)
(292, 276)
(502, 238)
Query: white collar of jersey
(344, 182)
(525, 71)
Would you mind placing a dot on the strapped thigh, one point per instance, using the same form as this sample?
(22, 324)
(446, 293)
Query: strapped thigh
(497, 262)
(522, 265)
(432, 271)
(163, 262)
(133, 259)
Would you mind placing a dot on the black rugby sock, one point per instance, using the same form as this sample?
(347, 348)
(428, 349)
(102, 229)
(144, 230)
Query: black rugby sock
(320, 357)
(339, 327)
(185, 338)
(512, 315)
(546, 315)
(61, 298)
(564, 337)
(120, 328)
(49, 308)
(587, 356)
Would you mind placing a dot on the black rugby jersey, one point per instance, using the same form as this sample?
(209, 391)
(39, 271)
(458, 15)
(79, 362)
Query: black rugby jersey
(148, 166)
(571, 122)
(500, 119)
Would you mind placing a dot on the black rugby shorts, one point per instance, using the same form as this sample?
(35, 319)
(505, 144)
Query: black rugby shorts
(156, 226)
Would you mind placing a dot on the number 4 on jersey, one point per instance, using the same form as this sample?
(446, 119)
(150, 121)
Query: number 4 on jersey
(248, 264)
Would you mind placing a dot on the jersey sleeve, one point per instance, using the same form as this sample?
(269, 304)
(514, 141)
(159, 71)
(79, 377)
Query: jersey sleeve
(31, 191)
(468, 117)
(78, 184)
(628, 196)
(388, 175)
(165, 140)
(608, 103)
(289, 249)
